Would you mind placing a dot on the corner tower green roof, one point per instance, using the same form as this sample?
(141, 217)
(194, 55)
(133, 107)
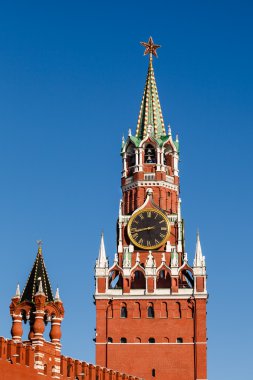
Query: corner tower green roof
(150, 119)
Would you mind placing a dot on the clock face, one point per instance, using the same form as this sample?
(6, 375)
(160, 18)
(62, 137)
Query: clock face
(148, 229)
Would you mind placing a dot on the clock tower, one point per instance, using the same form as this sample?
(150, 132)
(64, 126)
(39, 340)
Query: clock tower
(151, 303)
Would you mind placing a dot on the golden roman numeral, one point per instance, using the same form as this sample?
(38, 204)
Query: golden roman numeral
(140, 241)
(148, 243)
(135, 235)
(157, 241)
(149, 214)
(163, 229)
(141, 216)
(162, 235)
(162, 221)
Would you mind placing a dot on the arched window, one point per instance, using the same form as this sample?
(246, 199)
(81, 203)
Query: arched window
(177, 313)
(123, 311)
(164, 310)
(151, 312)
(151, 340)
(168, 160)
(163, 280)
(137, 310)
(123, 340)
(130, 158)
(137, 340)
(186, 279)
(153, 372)
(110, 340)
(138, 280)
(150, 154)
(115, 279)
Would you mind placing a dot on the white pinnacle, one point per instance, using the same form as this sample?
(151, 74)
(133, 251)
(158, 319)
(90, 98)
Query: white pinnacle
(17, 291)
(40, 290)
(198, 260)
(169, 130)
(57, 295)
(102, 255)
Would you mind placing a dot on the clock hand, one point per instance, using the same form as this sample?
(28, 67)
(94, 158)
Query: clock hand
(144, 229)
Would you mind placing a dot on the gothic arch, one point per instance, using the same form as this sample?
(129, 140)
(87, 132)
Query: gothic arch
(163, 280)
(115, 277)
(186, 277)
(138, 279)
(150, 156)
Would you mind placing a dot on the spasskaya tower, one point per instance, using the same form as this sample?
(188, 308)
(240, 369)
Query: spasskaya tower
(151, 303)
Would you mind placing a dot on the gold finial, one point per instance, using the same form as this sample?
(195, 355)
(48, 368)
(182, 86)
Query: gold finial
(150, 47)
(39, 242)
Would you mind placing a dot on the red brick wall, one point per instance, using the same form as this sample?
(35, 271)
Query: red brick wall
(171, 360)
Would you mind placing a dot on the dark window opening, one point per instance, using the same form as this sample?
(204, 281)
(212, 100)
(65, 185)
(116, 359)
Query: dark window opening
(110, 340)
(150, 154)
(123, 312)
(179, 340)
(151, 340)
(151, 313)
(138, 280)
(123, 340)
(153, 372)
(115, 280)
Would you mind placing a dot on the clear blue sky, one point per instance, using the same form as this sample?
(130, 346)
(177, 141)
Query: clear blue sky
(72, 75)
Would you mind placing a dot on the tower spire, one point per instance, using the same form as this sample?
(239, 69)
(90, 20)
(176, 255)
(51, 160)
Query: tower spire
(102, 260)
(38, 279)
(150, 120)
(198, 260)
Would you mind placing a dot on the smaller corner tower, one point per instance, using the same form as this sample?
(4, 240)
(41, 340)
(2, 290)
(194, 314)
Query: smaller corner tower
(37, 306)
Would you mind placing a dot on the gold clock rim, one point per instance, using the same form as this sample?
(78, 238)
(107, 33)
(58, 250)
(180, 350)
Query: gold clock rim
(144, 246)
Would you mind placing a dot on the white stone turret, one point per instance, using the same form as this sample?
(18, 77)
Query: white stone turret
(150, 267)
(40, 290)
(17, 294)
(102, 261)
(199, 268)
(57, 295)
(199, 260)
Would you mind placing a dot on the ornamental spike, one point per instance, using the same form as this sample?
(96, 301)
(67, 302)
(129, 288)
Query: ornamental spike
(169, 130)
(17, 294)
(57, 295)
(40, 290)
(198, 259)
(102, 260)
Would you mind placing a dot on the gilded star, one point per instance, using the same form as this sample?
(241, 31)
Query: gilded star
(150, 47)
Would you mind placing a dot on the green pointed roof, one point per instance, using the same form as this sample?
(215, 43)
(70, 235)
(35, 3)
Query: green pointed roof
(38, 273)
(150, 117)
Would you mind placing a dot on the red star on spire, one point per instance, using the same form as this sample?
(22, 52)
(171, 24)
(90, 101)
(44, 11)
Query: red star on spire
(150, 47)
